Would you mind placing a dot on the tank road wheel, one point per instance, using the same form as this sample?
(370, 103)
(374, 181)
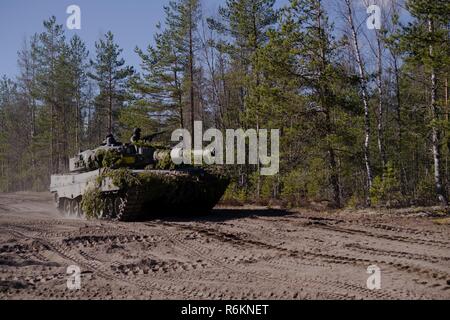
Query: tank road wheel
(57, 202)
(102, 212)
(77, 210)
(74, 208)
(67, 207)
(59, 205)
(80, 210)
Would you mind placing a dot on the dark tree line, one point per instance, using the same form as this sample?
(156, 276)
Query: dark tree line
(363, 113)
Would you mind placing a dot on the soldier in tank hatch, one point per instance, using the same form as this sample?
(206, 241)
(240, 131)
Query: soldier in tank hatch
(110, 141)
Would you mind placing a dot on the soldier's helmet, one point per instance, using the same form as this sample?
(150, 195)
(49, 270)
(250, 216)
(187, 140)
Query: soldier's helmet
(137, 130)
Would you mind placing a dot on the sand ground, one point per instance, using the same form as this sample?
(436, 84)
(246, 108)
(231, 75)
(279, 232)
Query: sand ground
(233, 253)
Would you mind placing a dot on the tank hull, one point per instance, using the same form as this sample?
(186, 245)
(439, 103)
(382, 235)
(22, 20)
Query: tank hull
(106, 195)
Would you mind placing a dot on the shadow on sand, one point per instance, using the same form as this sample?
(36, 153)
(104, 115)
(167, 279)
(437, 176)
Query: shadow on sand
(221, 214)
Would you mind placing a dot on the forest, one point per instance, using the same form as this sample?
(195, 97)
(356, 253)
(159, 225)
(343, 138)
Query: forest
(363, 113)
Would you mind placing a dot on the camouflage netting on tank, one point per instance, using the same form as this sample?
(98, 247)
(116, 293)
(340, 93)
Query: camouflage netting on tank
(169, 190)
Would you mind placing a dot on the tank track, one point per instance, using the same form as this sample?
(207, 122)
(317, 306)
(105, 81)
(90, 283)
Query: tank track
(132, 207)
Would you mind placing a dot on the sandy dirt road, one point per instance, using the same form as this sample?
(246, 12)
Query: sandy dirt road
(238, 253)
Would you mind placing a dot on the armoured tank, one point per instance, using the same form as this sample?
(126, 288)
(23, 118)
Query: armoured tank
(134, 183)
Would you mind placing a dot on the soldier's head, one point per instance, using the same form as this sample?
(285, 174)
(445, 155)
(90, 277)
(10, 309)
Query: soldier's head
(137, 131)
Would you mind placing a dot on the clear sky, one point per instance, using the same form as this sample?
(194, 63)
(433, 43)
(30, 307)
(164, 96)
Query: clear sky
(132, 22)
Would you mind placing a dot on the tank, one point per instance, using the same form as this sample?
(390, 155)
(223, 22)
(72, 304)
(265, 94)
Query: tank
(134, 183)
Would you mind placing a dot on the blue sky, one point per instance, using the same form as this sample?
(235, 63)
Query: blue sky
(132, 22)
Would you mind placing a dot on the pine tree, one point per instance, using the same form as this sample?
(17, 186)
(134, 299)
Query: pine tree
(308, 82)
(111, 76)
(78, 56)
(246, 23)
(160, 88)
(426, 42)
(27, 86)
(169, 85)
(47, 52)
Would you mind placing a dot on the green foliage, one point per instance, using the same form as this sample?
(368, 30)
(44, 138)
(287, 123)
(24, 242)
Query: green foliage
(135, 116)
(386, 190)
(165, 163)
(268, 186)
(301, 186)
(111, 159)
(235, 194)
(426, 191)
(354, 202)
(92, 203)
(416, 37)
(106, 158)
(121, 178)
(164, 88)
(293, 190)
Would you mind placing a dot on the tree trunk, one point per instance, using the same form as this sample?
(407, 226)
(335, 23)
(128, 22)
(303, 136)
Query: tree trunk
(191, 68)
(380, 127)
(180, 98)
(78, 120)
(435, 132)
(447, 111)
(110, 111)
(365, 99)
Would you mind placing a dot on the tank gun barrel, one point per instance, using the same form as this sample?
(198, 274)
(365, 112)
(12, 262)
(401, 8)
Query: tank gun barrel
(150, 137)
